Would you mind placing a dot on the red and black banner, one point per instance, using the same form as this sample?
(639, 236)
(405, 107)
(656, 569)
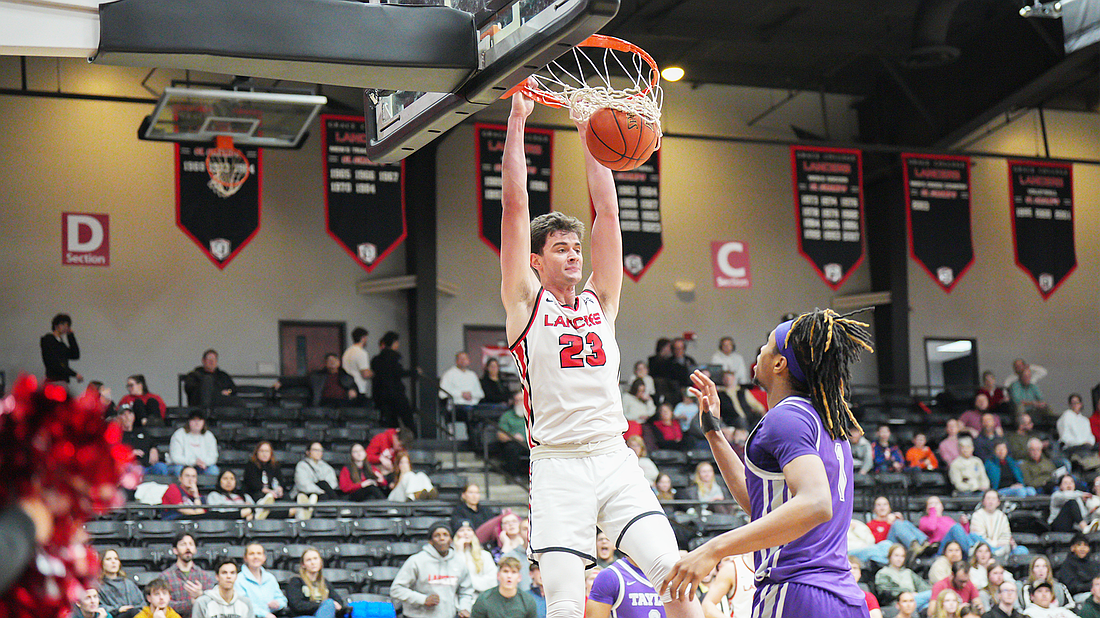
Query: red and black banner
(639, 192)
(364, 201)
(220, 226)
(937, 209)
(828, 201)
(538, 144)
(1041, 193)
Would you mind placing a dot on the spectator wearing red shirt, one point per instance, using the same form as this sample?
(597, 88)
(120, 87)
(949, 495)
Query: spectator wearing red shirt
(148, 407)
(857, 572)
(667, 430)
(186, 491)
(382, 449)
(959, 581)
(888, 525)
(996, 395)
(360, 480)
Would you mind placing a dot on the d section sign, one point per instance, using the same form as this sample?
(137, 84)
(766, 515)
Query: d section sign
(220, 226)
(639, 192)
(538, 145)
(1042, 221)
(85, 239)
(364, 201)
(828, 198)
(937, 201)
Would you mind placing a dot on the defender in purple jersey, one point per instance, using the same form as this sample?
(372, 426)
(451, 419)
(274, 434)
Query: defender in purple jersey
(796, 478)
(622, 591)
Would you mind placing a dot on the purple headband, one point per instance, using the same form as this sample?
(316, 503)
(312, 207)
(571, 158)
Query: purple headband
(788, 353)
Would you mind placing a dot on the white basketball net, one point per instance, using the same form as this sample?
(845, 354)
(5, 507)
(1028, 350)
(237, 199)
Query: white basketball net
(228, 170)
(586, 85)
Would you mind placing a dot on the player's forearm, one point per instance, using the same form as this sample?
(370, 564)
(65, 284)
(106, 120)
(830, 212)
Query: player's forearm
(790, 521)
(514, 168)
(601, 186)
(733, 471)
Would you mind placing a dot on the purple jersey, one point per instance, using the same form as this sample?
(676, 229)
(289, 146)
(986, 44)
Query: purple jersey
(818, 558)
(625, 588)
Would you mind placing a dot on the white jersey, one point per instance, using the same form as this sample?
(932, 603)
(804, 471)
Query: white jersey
(741, 603)
(568, 364)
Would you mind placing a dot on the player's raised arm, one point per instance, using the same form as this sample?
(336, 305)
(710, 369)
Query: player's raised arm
(517, 283)
(733, 470)
(607, 238)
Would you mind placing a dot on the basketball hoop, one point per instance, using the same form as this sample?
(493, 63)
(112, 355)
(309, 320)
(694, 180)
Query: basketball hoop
(227, 166)
(583, 82)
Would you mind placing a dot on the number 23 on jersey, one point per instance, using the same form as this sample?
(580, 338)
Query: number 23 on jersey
(574, 353)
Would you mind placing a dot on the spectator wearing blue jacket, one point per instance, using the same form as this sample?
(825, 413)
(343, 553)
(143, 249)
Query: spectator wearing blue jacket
(888, 457)
(256, 583)
(1004, 474)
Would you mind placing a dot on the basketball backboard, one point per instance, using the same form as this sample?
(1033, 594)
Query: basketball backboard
(515, 39)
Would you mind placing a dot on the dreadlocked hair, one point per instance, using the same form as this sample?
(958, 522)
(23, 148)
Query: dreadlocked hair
(825, 344)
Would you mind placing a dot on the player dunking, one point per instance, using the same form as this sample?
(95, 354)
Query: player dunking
(798, 486)
(582, 472)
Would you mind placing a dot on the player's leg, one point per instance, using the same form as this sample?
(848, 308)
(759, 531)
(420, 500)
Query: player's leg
(650, 542)
(562, 584)
(563, 531)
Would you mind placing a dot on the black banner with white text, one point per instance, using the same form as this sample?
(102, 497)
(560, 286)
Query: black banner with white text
(639, 192)
(1041, 195)
(220, 226)
(828, 197)
(937, 207)
(538, 145)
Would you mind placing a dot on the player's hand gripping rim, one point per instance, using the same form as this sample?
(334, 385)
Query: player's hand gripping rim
(707, 394)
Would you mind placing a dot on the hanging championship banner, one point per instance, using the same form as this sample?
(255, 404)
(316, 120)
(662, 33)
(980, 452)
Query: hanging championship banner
(1041, 193)
(220, 226)
(538, 144)
(364, 201)
(937, 207)
(639, 192)
(828, 199)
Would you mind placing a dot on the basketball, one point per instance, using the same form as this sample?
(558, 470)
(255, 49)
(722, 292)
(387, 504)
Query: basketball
(621, 140)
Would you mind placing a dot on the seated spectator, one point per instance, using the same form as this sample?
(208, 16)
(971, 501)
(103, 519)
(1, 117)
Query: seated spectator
(980, 560)
(409, 484)
(184, 491)
(505, 600)
(687, 414)
(958, 582)
(1026, 395)
(263, 478)
(226, 493)
(637, 405)
(1037, 469)
(415, 583)
(1005, 475)
(146, 454)
(207, 386)
(1039, 573)
(520, 554)
(907, 605)
(919, 456)
(496, 391)
(971, 420)
(949, 446)
(186, 581)
(862, 545)
(383, 448)
(739, 407)
(1017, 440)
(511, 438)
(990, 523)
(1092, 507)
(863, 456)
(996, 395)
(730, 361)
(1038, 372)
(889, 525)
(1078, 571)
(1067, 507)
(991, 593)
(158, 597)
(1074, 430)
(510, 537)
(314, 479)
(331, 386)
(360, 480)
(894, 579)
(667, 432)
(469, 508)
(536, 589)
(1042, 606)
(941, 566)
(949, 605)
(479, 562)
(95, 387)
(307, 594)
(967, 472)
(147, 407)
(649, 469)
(223, 600)
(258, 585)
(943, 530)
(987, 438)
(663, 488)
(194, 445)
(118, 594)
(887, 456)
(461, 385)
(641, 372)
(855, 567)
(88, 606)
(1090, 607)
(705, 487)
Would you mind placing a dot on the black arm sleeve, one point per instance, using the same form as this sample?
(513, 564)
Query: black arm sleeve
(74, 349)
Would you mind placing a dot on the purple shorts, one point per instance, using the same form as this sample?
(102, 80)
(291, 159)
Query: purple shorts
(791, 600)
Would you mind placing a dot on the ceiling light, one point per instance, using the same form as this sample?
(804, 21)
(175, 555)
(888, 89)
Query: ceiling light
(672, 74)
(1050, 10)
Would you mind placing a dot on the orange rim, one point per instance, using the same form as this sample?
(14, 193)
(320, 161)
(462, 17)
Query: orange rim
(225, 142)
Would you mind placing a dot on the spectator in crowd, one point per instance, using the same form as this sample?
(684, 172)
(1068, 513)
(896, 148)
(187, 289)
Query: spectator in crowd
(158, 597)
(118, 594)
(536, 589)
(223, 600)
(185, 581)
(184, 491)
(638, 407)
(461, 384)
(194, 445)
(862, 545)
(730, 360)
(949, 445)
(1078, 571)
(967, 472)
(919, 456)
(225, 492)
(1092, 506)
(1039, 576)
(980, 560)
(887, 456)
(263, 478)
(990, 523)
(641, 372)
(258, 585)
(941, 566)
(1005, 475)
(855, 567)
(1038, 372)
(894, 579)
(314, 479)
(1017, 440)
(1090, 607)
(996, 395)
(389, 389)
(469, 508)
(331, 386)
(987, 438)
(1074, 429)
(434, 582)
(738, 406)
(1067, 507)
(307, 593)
(997, 576)
(971, 420)
(663, 488)
(1094, 418)
(360, 480)
(681, 364)
(950, 605)
(510, 537)
(479, 562)
(146, 454)
(95, 387)
(621, 589)
(705, 488)
(1042, 607)
(886, 524)
(907, 605)
(383, 448)
(1005, 606)
(649, 469)
(409, 484)
(944, 530)
(685, 412)
(59, 346)
(88, 606)
(667, 432)
(356, 362)
(663, 371)
(207, 386)
(520, 553)
(148, 407)
(605, 551)
(958, 581)
(492, 384)
(1026, 395)
(1037, 469)
(506, 600)
(511, 438)
(863, 456)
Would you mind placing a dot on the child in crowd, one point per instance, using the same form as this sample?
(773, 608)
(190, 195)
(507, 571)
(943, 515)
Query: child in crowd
(920, 456)
(158, 595)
